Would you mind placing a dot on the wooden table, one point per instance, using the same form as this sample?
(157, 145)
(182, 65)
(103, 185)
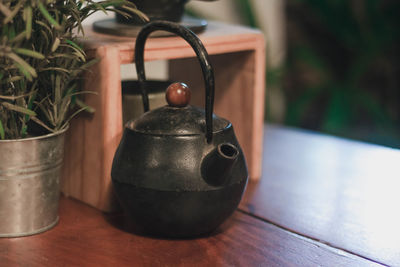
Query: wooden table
(321, 201)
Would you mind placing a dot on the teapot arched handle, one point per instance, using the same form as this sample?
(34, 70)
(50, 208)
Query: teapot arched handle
(202, 55)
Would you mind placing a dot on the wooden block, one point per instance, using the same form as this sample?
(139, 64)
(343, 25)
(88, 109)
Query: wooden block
(92, 140)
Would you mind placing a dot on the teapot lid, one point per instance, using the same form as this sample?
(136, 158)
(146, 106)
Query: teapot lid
(177, 118)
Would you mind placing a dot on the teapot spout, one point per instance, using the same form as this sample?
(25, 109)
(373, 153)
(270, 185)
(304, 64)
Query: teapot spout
(217, 165)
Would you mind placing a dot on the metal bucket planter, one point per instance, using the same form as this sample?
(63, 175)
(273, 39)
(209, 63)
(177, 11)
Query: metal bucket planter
(30, 171)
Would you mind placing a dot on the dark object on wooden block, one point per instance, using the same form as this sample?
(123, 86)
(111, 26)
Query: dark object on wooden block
(171, 10)
(164, 171)
(113, 27)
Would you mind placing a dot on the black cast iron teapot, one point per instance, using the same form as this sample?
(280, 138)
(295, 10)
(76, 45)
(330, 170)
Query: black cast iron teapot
(179, 170)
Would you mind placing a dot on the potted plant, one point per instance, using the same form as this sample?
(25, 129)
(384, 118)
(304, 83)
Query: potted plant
(40, 65)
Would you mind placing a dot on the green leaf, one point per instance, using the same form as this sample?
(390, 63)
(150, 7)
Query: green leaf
(57, 89)
(29, 53)
(14, 97)
(55, 45)
(19, 37)
(28, 20)
(81, 104)
(77, 17)
(44, 25)
(47, 15)
(2, 134)
(75, 45)
(90, 63)
(78, 51)
(45, 37)
(25, 68)
(24, 131)
(18, 109)
(13, 12)
(137, 12)
(80, 55)
(42, 124)
(12, 79)
(4, 9)
(24, 72)
(72, 116)
(32, 98)
(63, 110)
(58, 55)
(55, 69)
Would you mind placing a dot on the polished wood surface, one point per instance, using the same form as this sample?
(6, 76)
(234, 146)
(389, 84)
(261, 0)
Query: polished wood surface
(340, 192)
(86, 237)
(322, 201)
(93, 139)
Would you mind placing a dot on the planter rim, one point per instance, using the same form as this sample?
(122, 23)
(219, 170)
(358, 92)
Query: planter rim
(36, 137)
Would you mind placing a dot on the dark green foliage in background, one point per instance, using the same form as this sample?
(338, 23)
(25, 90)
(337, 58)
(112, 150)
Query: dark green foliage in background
(342, 72)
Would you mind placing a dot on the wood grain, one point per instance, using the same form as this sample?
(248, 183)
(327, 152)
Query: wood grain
(218, 38)
(344, 193)
(86, 237)
(93, 140)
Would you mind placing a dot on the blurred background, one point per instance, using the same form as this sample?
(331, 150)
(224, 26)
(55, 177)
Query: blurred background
(332, 65)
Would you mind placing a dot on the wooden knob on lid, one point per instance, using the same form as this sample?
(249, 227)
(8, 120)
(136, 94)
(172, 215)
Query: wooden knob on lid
(178, 95)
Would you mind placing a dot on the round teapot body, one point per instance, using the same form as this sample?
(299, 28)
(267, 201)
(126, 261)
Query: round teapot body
(179, 170)
(168, 187)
